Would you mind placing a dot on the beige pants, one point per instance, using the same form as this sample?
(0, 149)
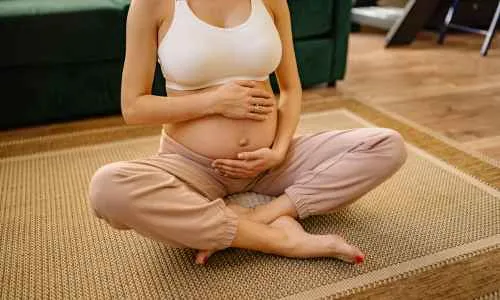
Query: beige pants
(175, 196)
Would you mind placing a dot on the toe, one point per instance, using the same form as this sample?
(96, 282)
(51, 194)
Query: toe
(355, 256)
(202, 256)
(359, 259)
(345, 251)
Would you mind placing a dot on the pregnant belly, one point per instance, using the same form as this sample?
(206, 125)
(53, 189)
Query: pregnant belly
(220, 137)
(216, 136)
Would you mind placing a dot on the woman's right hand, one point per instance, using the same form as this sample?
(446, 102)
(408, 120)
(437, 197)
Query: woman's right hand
(243, 100)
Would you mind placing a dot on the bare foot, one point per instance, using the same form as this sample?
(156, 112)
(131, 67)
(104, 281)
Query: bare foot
(305, 245)
(202, 256)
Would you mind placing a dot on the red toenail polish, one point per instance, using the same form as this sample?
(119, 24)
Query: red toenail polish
(205, 260)
(359, 259)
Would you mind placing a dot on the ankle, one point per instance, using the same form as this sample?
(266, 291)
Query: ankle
(255, 214)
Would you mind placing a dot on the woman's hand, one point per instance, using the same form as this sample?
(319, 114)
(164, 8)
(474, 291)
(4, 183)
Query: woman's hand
(248, 164)
(242, 100)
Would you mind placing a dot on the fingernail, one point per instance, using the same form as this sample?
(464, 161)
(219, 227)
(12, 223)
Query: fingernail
(359, 259)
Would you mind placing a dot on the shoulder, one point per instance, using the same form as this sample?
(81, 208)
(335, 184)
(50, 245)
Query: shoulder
(277, 8)
(154, 10)
(276, 5)
(146, 5)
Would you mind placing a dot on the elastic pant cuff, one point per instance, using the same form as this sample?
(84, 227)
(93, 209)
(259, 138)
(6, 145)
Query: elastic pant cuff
(300, 203)
(229, 229)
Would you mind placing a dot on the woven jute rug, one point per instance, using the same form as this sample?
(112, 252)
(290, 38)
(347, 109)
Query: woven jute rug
(438, 216)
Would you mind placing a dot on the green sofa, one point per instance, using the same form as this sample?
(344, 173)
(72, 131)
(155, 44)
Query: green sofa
(62, 59)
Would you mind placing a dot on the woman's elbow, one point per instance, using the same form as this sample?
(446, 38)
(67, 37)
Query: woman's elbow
(292, 92)
(129, 113)
(128, 118)
(298, 92)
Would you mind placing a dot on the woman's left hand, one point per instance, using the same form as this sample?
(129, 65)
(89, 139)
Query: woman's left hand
(248, 164)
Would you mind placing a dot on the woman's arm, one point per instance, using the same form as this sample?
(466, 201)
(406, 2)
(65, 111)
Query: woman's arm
(288, 80)
(233, 100)
(137, 104)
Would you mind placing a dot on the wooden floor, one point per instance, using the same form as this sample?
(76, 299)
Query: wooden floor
(449, 89)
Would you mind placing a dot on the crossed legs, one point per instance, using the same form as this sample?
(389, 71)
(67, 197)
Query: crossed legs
(321, 173)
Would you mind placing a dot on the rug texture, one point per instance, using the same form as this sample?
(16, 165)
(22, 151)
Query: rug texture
(429, 214)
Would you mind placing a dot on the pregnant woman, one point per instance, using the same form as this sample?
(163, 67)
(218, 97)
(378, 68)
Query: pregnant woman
(224, 132)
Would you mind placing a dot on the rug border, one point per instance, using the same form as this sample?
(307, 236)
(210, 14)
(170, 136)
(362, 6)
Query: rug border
(399, 271)
(490, 296)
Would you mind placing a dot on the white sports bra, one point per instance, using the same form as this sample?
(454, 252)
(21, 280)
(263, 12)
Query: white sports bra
(194, 54)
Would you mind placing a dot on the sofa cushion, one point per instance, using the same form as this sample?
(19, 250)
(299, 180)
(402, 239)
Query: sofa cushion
(45, 32)
(59, 92)
(314, 60)
(311, 17)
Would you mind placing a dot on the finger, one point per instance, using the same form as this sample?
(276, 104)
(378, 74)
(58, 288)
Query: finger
(260, 93)
(223, 174)
(243, 165)
(250, 155)
(224, 168)
(246, 83)
(235, 171)
(256, 117)
(262, 102)
(219, 172)
(260, 109)
(230, 162)
(251, 168)
(231, 174)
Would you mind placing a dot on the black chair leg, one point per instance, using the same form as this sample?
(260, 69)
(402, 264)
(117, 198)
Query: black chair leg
(491, 32)
(447, 21)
